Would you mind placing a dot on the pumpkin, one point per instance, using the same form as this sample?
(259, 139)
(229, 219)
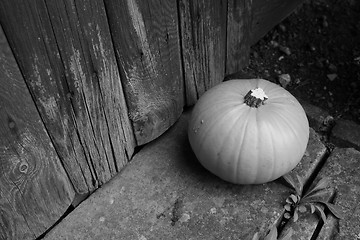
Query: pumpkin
(248, 131)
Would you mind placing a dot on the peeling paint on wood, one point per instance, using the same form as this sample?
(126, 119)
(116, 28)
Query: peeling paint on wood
(35, 190)
(68, 61)
(37, 53)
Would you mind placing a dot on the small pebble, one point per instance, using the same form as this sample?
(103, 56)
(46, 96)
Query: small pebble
(297, 81)
(282, 27)
(332, 76)
(285, 50)
(284, 80)
(325, 22)
(274, 44)
(184, 217)
(312, 47)
(357, 60)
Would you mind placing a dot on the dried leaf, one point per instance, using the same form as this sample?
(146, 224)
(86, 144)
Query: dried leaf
(334, 209)
(288, 234)
(302, 208)
(317, 196)
(301, 181)
(296, 215)
(290, 180)
(256, 236)
(273, 234)
(321, 211)
(322, 184)
(312, 207)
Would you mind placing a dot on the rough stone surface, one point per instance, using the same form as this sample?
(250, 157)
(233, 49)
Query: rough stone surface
(303, 228)
(317, 117)
(346, 134)
(314, 155)
(343, 166)
(330, 228)
(164, 193)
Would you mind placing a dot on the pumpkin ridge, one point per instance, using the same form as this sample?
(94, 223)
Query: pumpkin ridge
(214, 123)
(257, 142)
(244, 132)
(274, 154)
(290, 126)
(230, 129)
(237, 163)
(260, 136)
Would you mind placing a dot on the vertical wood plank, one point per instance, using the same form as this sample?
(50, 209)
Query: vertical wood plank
(203, 37)
(146, 40)
(82, 34)
(29, 32)
(34, 188)
(65, 52)
(238, 34)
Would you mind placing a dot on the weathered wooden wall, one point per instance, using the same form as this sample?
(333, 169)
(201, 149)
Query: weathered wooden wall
(106, 76)
(35, 191)
(203, 38)
(239, 28)
(65, 53)
(146, 40)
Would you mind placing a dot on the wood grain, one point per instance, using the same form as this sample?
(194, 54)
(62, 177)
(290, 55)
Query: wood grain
(35, 190)
(147, 46)
(268, 13)
(65, 52)
(203, 38)
(239, 16)
(87, 53)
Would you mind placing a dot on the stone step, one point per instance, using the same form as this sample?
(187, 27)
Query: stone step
(343, 168)
(164, 193)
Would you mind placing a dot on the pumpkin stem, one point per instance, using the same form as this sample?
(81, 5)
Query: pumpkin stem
(255, 98)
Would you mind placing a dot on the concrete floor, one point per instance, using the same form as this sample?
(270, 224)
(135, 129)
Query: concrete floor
(164, 193)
